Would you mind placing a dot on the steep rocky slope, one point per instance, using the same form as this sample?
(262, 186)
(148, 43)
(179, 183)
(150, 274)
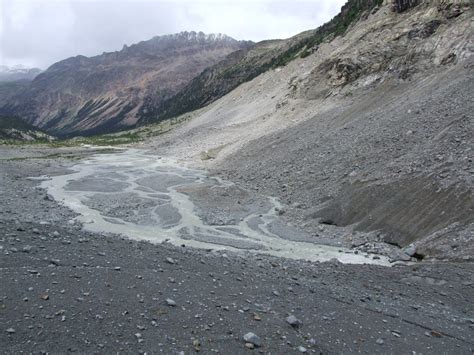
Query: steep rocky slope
(248, 63)
(367, 139)
(103, 93)
(14, 129)
(10, 89)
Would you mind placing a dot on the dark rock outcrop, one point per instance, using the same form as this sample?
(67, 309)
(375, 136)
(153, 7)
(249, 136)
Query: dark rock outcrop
(403, 5)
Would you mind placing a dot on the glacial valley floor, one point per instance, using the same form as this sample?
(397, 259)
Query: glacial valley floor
(63, 290)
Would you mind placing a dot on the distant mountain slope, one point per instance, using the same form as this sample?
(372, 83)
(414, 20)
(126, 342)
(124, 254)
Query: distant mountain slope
(9, 89)
(19, 72)
(246, 64)
(103, 93)
(13, 128)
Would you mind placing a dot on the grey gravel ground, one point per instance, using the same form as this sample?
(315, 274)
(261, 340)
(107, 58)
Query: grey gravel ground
(66, 290)
(396, 160)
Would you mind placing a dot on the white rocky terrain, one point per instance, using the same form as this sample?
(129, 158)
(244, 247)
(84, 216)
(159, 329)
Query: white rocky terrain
(385, 111)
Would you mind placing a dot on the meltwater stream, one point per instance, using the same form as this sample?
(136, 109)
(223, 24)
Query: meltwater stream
(145, 197)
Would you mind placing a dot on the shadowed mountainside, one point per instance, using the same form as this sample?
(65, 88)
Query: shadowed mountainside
(15, 129)
(103, 93)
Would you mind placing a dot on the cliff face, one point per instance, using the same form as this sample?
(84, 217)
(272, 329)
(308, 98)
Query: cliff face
(103, 93)
(402, 5)
(452, 6)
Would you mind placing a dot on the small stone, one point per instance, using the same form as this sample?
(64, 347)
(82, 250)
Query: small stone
(252, 338)
(410, 250)
(380, 341)
(170, 302)
(10, 330)
(27, 248)
(293, 321)
(249, 346)
(302, 349)
(256, 317)
(139, 337)
(117, 268)
(197, 344)
(45, 297)
(170, 261)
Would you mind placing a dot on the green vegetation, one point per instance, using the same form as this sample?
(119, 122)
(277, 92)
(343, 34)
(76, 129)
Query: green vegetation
(14, 122)
(113, 139)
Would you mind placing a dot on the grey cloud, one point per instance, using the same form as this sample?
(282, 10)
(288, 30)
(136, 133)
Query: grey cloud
(41, 32)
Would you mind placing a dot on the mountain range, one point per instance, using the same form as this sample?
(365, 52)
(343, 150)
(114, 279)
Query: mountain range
(156, 79)
(17, 72)
(89, 95)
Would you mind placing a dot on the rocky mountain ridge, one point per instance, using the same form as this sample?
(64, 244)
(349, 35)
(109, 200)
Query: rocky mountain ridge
(248, 63)
(17, 72)
(103, 93)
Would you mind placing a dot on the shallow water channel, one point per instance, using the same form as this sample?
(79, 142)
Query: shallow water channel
(145, 197)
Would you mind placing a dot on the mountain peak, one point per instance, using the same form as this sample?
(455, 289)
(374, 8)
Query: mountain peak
(17, 72)
(197, 37)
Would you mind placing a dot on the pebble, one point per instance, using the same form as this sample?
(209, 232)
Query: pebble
(197, 344)
(380, 341)
(252, 338)
(170, 302)
(293, 321)
(302, 349)
(10, 330)
(139, 337)
(27, 248)
(170, 261)
(410, 250)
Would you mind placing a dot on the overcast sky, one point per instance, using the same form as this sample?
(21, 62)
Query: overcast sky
(41, 32)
